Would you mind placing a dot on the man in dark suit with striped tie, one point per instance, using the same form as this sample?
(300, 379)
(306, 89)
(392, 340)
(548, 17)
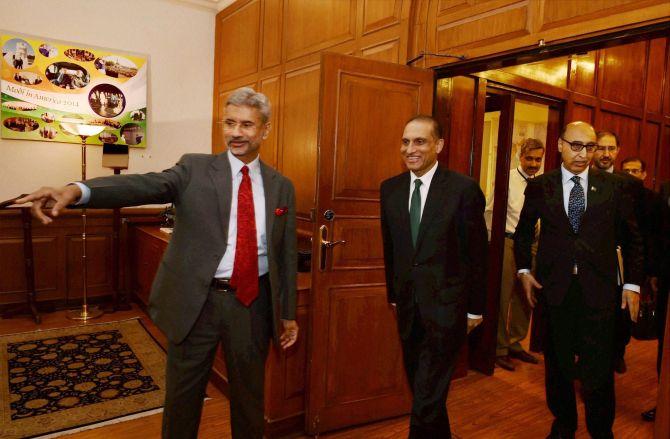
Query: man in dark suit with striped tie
(584, 214)
(229, 272)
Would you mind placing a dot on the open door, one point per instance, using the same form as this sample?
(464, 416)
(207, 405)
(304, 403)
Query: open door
(508, 118)
(356, 372)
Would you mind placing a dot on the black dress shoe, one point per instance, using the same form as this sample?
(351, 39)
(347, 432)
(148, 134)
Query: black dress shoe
(524, 356)
(649, 415)
(620, 365)
(505, 362)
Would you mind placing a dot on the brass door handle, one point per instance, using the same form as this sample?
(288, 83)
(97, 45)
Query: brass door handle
(324, 245)
(331, 244)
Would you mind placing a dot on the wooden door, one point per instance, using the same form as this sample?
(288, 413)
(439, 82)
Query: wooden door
(356, 372)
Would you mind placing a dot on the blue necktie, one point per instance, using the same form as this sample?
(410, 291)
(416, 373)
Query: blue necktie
(576, 204)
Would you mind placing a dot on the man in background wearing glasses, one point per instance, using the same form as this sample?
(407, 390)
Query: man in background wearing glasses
(584, 214)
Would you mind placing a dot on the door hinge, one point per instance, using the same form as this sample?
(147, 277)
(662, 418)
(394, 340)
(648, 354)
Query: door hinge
(315, 426)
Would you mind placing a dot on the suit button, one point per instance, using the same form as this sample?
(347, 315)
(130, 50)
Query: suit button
(415, 264)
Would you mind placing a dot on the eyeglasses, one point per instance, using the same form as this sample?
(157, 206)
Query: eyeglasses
(633, 171)
(578, 146)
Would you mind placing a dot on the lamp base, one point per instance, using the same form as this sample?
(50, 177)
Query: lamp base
(84, 313)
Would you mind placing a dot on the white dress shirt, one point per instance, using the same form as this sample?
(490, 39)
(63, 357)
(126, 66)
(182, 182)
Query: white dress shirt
(515, 198)
(423, 189)
(225, 268)
(426, 179)
(568, 184)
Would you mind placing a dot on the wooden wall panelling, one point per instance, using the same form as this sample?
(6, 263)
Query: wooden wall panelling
(238, 43)
(475, 28)
(506, 23)
(656, 67)
(582, 76)
(300, 109)
(269, 151)
(562, 12)
(388, 51)
(623, 85)
(271, 28)
(376, 15)
(461, 119)
(581, 112)
(311, 26)
(626, 128)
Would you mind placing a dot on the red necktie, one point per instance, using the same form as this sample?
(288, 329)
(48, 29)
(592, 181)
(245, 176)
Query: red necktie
(245, 269)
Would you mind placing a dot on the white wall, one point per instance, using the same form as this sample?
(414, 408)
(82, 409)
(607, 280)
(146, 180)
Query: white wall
(179, 39)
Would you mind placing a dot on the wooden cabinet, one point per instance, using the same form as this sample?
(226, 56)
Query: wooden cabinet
(285, 372)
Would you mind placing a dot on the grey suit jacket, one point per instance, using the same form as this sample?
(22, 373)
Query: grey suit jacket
(200, 186)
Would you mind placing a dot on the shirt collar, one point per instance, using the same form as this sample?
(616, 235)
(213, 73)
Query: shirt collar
(523, 173)
(425, 178)
(610, 169)
(567, 175)
(237, 164)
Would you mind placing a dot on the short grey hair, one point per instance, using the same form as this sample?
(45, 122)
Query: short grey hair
(248, 97)
(530, 144)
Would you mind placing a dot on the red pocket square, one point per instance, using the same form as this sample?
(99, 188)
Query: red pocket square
(281, 211)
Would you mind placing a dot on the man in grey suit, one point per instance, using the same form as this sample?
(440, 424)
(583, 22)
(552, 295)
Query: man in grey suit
(229, 272)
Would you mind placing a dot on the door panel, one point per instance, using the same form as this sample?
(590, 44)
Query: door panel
(356, 371)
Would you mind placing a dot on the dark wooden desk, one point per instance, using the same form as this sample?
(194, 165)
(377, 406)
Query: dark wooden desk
(285, 372)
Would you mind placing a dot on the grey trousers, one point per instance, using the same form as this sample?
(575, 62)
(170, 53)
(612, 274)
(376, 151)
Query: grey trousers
(245, 335)
(514, 317)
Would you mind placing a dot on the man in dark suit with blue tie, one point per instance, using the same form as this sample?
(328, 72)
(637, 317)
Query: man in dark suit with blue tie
(584, 214)
(229, 272)
(435, 244)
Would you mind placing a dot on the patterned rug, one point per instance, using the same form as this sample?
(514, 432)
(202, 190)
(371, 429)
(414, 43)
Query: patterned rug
(60, 379)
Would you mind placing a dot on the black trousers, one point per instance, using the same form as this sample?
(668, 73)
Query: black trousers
(244, 334)
(624, 327)
(661, 316)
(430, 354)
(580, 345)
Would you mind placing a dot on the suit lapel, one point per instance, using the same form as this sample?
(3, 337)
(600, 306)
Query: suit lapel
(221, 175)
(596, 193)
(399, 202)
(554, 195)
(271, 190)
(434, 201)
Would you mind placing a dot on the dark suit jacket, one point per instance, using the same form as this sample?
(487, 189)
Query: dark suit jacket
(448, 265)
(200, 186)
(647, 213)
(609, 219)
(664, 241)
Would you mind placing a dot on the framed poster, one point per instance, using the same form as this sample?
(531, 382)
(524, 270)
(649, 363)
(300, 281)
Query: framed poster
(44, 81)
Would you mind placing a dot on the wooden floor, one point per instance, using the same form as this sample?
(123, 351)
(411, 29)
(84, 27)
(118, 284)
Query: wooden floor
(506, 405)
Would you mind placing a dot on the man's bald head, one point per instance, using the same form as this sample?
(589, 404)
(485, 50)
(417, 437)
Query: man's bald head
(578, 126)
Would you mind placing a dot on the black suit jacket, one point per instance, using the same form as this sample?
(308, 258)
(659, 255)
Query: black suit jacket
(448, 265)
(664, 241)
(200, 186)
(609, 220)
